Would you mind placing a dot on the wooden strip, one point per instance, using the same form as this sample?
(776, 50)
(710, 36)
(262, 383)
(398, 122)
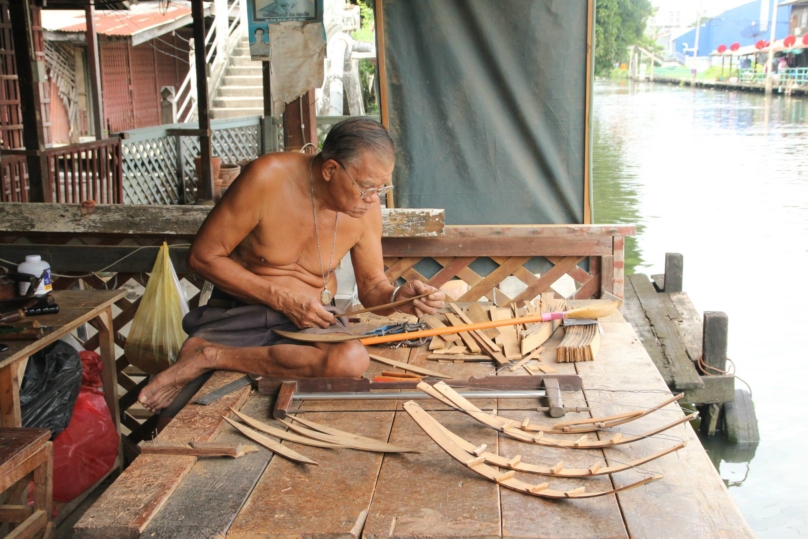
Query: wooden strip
(434, 323)
(491, 246)
(198, 449)
(478, 314)
(509, 337)
(471, 344)
(270, 444)
(607, 275)
(399, 267)
(407, 367)
(348, 438)
(619, 266)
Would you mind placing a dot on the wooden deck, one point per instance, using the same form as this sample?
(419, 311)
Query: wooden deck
(426, 494)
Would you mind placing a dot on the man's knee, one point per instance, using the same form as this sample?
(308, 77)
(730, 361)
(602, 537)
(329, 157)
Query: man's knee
(349, 359)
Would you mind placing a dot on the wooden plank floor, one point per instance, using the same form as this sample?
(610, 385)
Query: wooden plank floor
(428, 494)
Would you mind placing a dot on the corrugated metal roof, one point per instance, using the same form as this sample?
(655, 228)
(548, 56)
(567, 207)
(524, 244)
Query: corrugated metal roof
(139, 18)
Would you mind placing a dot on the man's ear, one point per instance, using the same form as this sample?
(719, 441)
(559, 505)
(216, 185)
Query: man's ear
(329, 169)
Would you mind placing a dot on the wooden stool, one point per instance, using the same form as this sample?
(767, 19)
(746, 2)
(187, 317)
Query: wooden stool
(23, 451)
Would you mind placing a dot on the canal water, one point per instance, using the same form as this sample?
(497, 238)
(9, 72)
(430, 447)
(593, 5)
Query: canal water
(722, 177)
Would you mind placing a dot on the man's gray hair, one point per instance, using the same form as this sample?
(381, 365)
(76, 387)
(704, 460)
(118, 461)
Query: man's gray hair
(348, 139)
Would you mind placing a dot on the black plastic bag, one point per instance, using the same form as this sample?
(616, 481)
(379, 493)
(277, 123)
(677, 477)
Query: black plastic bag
(50, 387)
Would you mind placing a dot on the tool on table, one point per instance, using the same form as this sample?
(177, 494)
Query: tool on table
(27, 332)
(3, 347)
(593, 311)
(226, 389)
(31, 306)
(387, 305)
(499, 387)
(12, 316)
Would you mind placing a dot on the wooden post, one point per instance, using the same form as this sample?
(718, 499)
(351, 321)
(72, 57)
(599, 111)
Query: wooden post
(91, 38)
(714, 354)
(180, 166)
(268, 132)
(674, 270)
(300, 128)
(30, 73)
(205, 191)
(714, 341)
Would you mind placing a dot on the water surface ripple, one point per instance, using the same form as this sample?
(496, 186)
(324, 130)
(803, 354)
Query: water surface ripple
(722, 177)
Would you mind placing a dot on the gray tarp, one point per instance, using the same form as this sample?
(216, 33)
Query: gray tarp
(487, 105)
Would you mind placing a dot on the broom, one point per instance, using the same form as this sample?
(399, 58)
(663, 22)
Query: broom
(589, 312)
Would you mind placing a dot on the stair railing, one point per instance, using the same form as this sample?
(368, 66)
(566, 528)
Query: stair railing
(220, 41)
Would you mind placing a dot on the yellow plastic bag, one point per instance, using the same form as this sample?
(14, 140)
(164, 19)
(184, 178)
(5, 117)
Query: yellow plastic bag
(156, 334)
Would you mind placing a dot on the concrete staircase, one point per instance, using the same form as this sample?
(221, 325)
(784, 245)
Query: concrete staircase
(241, 92)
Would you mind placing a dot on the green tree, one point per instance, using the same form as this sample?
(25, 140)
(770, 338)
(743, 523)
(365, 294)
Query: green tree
(618, 25)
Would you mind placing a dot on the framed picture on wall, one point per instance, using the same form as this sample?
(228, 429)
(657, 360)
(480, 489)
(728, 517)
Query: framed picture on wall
(275, 11)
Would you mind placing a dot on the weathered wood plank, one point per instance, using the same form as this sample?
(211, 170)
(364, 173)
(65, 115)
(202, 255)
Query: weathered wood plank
(291, 500)
(660, 312)
(491, 245)
(635, 315)
(222, 484)
(171, 220)
(717, 389)
(127, 507)
(691, 485)
(548, 231)
(428, 494)
(689, 323)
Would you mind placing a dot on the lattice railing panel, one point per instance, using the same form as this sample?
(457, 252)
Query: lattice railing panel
(490, 286)
(149, 171)
(237, 143)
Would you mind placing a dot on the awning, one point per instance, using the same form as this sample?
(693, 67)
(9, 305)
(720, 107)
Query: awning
(141, 22)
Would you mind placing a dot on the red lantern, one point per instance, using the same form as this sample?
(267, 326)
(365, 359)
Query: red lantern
(760, 44)
(722, 49)
(735, 46)
(789, 41)
(805, 39)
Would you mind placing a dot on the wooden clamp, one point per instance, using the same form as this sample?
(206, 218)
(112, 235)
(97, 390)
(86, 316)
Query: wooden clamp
(293, 389)
(556, 407)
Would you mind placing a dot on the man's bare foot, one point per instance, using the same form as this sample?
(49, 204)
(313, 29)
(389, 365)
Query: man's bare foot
(195, 358)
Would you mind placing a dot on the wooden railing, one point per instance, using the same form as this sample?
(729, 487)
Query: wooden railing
(75, 173)
(88, 171)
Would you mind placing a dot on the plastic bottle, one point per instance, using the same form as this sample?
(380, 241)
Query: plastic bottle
(34, 265)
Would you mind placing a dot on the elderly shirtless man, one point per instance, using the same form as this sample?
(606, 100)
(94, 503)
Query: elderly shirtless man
(270, 247)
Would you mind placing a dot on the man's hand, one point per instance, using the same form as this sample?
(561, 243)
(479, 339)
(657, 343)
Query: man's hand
(420, 307)
(304, 310)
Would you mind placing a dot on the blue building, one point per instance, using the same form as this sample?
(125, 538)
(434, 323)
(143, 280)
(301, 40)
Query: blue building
(741, 24)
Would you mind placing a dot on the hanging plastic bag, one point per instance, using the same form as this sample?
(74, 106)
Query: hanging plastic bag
(156, 334)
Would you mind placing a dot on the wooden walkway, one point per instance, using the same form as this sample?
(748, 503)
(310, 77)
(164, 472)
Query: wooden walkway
(427, 494)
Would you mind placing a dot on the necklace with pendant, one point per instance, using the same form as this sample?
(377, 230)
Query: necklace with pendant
(325, 295)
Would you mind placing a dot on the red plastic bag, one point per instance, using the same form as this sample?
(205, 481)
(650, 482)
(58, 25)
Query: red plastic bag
(87, 448)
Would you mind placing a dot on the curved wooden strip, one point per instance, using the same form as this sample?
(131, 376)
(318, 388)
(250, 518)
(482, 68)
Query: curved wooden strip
(282, 434)
(569, 427)
(538, 438)
(407, 366)
(345, 438)
(515, 463)
(270, 444)
(505, 479)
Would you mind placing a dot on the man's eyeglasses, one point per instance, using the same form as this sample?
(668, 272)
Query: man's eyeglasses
(367, 193)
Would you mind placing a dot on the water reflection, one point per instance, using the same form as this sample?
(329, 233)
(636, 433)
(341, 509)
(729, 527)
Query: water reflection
(721, 178)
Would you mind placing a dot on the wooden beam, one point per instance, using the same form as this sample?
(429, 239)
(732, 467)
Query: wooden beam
(205, 188)
(30, 73)
(381, 79)
(590, 76)
(93, 62)
(22, 219)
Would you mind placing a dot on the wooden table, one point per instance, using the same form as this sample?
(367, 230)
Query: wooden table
(76, 307)
(426, 494)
